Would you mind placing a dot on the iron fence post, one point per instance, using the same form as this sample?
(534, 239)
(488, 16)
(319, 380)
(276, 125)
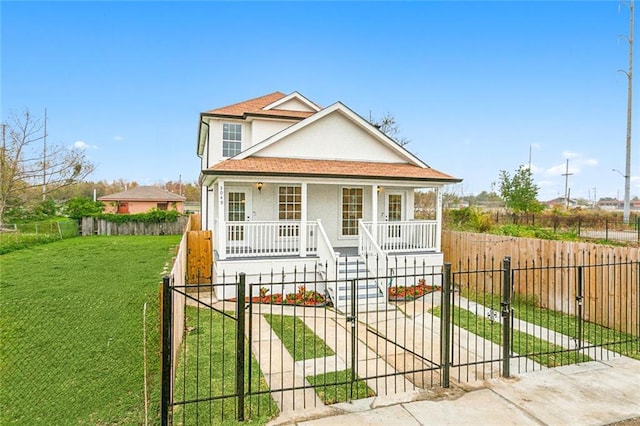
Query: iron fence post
(579, 298)
(506, 316)
(240, 304)
(352, 318)
(165, 391)
(445, 324)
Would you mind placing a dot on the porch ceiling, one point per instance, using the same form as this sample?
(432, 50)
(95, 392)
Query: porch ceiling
(272, 166)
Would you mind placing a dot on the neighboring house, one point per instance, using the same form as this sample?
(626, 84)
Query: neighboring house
(615, 204)
(562, 202)
(287, 184)
(610, 203)
(142, 199)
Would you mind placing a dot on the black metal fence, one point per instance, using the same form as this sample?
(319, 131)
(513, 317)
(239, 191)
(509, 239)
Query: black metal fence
(285, 342)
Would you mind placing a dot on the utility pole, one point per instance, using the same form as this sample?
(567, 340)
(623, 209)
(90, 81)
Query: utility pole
(629, 73)
(44, 159)
(566, 175)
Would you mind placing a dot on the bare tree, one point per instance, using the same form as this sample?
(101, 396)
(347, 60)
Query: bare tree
(387, 124)
(26, 165)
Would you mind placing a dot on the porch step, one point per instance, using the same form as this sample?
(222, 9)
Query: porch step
(368, 296)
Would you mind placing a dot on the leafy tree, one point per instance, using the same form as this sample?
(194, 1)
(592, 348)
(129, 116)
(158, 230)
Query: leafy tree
(27, 169)
(79, 207)
(388, 125)
(519, 192)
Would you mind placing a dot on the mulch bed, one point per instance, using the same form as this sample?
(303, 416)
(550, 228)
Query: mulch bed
(406, 293)
(302, 298)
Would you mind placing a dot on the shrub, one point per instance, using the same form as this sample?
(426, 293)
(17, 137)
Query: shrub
(152, 216)
(79, 207)
(472, 218)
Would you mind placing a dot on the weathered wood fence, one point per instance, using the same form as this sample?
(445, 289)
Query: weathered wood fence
(609, 275)
(94, 226)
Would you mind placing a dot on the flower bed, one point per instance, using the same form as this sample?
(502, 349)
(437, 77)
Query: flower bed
(302, 297)
(404, 293)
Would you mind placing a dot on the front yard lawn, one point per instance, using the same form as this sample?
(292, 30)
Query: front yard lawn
(71, 335)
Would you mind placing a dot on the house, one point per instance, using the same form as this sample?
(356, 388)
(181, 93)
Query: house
(562, 202)
(290, 186)
(608, 203)
(142, 199)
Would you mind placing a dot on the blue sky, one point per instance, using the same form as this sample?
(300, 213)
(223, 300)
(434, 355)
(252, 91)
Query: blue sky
(476, 86)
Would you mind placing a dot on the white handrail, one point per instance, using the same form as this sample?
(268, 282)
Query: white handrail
(406, 236)
(371, 251)
(269, 238)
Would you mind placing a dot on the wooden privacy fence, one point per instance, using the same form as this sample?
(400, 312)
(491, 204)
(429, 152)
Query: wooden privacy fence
(609, 276)
(94, 226)
(199, 257)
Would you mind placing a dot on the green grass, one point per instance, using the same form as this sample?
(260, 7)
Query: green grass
(300, 341)
(522, 343)
(337, 387)
(71, 340)
(30, 234)
(208, 369)
(527, 308)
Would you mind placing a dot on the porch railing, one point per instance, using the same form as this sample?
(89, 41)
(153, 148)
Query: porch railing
(274, 238)
(405, 236)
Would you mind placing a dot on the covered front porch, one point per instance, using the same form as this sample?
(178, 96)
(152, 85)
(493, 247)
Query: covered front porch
(300, 239)
(275, 219)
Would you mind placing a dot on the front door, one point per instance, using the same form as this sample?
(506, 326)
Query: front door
(238, 210)
(395, 213)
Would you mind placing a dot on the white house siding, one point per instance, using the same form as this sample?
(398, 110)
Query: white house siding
(333, 138)
(294, 105)
(213, 150)
(262, 129)
(293, 269)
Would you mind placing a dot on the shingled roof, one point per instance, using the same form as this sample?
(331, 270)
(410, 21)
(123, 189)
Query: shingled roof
(277, 166)
(143, 193)
(256, 106)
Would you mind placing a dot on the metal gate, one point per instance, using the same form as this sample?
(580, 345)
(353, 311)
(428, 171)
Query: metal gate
(277, 344)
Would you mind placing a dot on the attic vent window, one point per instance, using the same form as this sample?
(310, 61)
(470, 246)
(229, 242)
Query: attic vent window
(231, 139)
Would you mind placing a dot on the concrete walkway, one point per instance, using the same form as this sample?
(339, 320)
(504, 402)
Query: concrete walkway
(593, 393)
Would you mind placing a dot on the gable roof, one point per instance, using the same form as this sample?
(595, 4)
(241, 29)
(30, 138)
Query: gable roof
(250, 161)
(347, 112)
(271, 166)
(264, 106)
(143, 193)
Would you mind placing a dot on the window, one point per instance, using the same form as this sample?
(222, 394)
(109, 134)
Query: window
(162, 206)
(236, 213)
(289, 208)
(351, 210)
(289, 202)
(231, 139)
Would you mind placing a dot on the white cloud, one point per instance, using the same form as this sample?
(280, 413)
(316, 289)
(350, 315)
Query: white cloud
(83, 145)
(569, 154)
(118, 138)
(577, 162)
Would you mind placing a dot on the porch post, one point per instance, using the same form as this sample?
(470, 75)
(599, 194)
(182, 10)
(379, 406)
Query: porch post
(220, 234)
(438, 218)
(303, 219)
(374, 212)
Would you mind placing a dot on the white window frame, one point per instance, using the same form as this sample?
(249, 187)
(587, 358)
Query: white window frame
(228, 142)
(285, 231)
(342, 235)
